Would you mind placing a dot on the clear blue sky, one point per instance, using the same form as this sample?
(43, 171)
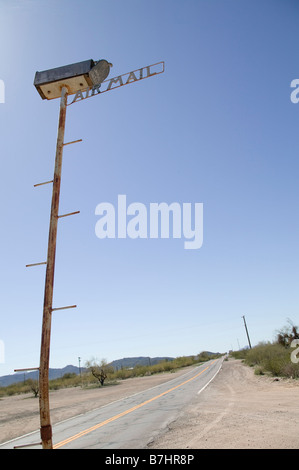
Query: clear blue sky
(218, 127)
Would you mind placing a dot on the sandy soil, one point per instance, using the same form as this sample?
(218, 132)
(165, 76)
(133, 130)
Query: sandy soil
(236, 410)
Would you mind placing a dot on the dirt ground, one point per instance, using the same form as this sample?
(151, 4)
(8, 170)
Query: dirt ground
(237, 410)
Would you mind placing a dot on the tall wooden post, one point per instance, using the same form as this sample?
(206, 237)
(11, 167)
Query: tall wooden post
(44, 405)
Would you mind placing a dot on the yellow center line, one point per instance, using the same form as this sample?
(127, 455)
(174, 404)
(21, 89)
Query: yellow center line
(99, 425)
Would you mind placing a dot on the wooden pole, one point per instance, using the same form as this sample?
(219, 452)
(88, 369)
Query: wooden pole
(44, 405)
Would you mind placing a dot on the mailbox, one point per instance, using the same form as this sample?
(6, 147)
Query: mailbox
(74, 77)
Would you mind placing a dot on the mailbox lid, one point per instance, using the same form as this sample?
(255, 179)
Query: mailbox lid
(66, 71)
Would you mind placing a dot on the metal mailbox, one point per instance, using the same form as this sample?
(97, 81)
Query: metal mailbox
(74, 77)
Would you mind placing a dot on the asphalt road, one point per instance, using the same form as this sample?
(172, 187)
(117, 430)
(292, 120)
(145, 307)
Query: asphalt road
(132, 422)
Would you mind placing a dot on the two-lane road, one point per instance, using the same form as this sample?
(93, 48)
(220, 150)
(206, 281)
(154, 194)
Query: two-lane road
(132, 422)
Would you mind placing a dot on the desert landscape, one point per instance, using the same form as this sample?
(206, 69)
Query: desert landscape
(237, 410)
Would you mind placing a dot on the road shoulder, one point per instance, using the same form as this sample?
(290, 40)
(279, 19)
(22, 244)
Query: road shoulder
(238, 410)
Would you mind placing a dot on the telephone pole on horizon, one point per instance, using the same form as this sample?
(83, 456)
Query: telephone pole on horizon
(246, 331)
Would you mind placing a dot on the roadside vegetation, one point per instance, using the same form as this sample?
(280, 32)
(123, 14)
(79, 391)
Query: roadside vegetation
(99, 374)
(277, 359)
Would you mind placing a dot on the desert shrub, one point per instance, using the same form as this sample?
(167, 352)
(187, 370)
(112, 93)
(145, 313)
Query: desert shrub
(290, 370)
(168, 366)
(259, 354)
(258, 370)
(241, 354)
(139, 370)
(183, 361)
(272, 358)
(67, 380)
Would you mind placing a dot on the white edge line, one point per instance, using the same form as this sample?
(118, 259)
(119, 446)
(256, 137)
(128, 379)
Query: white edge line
(202, 389)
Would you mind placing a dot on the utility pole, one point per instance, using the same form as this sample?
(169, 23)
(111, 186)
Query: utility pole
(46, 428)
(79, 359)
(74, 79)
(246, 331)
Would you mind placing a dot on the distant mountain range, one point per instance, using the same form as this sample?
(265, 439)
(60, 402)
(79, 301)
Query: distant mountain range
(6, 380)
(125, 363)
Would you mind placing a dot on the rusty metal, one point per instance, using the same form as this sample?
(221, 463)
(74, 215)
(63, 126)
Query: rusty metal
(40, 184)
(66, 215)
(73, 76)
(35, 264)
(100, 71)
(121, 80)
(44, 405)
(28, 445)
(72, 142)
(63, 308)
(46, 435)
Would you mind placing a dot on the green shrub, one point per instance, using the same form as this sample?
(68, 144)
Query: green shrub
(239, 354)
(258, 370)
(272, 358)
